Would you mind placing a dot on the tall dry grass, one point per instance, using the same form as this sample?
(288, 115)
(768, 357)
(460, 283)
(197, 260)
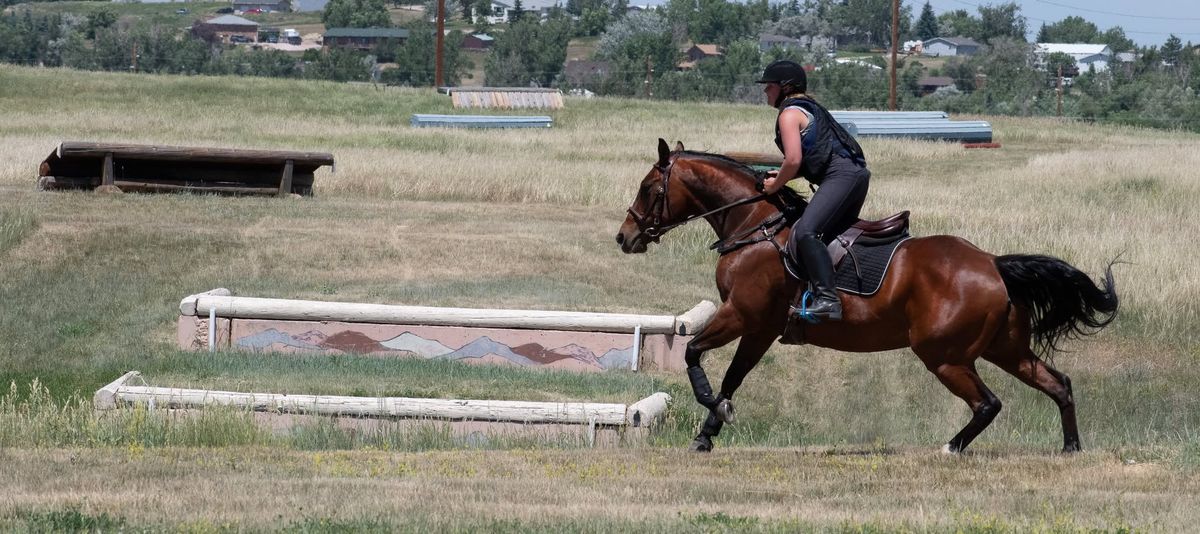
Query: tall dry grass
(521, 219)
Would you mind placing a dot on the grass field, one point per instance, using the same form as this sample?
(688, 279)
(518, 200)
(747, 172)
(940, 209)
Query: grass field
(89, 287)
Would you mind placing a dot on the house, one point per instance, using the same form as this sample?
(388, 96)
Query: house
(307, 6)
(1086, 56)
(697, 53)
(478, 41)
(362, 38)
(226, 29)
(950, 46)
(502, 9)
(929, 84)
(767, 41)
(262, 6)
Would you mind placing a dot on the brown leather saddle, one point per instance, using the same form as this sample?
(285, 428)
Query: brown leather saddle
(881, 231)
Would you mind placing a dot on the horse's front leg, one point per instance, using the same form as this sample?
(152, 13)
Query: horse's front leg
(725, 327)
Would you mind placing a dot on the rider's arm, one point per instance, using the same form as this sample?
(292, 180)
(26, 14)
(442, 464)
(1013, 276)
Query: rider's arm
(791, 122)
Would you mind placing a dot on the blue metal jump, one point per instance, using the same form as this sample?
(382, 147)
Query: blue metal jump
(480, 121)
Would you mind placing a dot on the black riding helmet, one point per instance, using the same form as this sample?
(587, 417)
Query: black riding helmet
(786, 73)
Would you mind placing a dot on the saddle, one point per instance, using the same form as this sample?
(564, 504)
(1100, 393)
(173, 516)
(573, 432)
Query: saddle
(869, 233)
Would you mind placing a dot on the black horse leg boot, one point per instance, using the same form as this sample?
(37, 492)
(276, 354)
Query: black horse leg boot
(825, 304)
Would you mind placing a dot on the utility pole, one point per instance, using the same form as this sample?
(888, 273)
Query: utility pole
(895, 47)
(1059, 90)
(649, 78)
(441, 37)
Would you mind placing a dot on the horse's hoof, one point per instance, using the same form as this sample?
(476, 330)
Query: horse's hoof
(725, 411)
(701, 444)
(1072, 449)
(947, 449)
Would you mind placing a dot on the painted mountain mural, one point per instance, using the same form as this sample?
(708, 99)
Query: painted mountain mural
(269, 337)
(410, 342)
(352, 341)
(481, 349)
(484, 346)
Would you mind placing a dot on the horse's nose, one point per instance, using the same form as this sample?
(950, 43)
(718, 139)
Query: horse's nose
(620, 238)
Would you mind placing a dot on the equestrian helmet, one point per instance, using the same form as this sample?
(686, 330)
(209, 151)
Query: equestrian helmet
(786, 73)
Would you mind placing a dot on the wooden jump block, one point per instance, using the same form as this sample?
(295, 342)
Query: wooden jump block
(577, 341)
(153, 168)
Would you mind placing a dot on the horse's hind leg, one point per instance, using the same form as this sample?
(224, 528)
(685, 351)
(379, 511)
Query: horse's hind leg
(1025, 365)
(964, 382)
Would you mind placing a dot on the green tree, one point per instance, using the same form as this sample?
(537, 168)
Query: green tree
(641, 44)
(871, 20)
(1003, 20)
(927, 24)
(517, 13)
(339, 65)
(356, 14)
(416, 60)
(528, 52)
(1170, 50)
(98, 20)
(959, 23)
(1116, 40)
(1069, 30)
(1055, 60)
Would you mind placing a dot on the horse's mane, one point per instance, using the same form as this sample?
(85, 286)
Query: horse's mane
(737, 165)
(790, 196)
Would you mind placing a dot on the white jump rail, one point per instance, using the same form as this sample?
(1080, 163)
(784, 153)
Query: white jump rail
(225, 305)
(643, 413)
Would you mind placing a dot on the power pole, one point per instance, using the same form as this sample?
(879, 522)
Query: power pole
(649, 77)
(441, 37)
(895, 47)
(1059, 90)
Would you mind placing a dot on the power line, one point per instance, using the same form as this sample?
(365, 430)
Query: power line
(1102, 12)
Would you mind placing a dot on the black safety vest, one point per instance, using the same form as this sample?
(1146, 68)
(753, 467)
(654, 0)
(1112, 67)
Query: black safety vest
(824, 139)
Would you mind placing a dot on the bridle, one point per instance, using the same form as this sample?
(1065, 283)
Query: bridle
(660, 210)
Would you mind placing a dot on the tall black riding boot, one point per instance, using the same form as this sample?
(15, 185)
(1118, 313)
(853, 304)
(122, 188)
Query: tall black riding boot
(826, 305)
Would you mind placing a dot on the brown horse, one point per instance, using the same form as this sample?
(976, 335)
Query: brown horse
(951, 302)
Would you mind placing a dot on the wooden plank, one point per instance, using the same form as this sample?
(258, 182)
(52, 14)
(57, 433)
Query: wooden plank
(106, 397)
(647, 411)
(169, 188)
(449, 409)
(285, 183)
(74, 149)
(304, 310)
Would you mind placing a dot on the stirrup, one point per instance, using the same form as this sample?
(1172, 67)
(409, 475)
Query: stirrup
(804, 312)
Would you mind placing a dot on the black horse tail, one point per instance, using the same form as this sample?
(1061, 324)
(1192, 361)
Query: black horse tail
(1062, 300)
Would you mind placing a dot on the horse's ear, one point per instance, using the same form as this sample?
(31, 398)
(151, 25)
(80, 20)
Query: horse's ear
(664, 152)
(679, 146)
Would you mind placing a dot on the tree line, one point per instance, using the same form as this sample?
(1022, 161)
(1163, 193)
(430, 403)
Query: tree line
(639, 52)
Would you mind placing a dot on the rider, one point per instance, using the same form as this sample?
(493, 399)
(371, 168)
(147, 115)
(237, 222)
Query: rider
(816, 147)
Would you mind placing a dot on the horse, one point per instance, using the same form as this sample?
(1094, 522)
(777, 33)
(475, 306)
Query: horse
(949, 301)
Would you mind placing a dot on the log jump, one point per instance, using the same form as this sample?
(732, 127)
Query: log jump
(217, 320)
(603, 424)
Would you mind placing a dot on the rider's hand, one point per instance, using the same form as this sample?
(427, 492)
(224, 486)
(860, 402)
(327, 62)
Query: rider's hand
(772, 184)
